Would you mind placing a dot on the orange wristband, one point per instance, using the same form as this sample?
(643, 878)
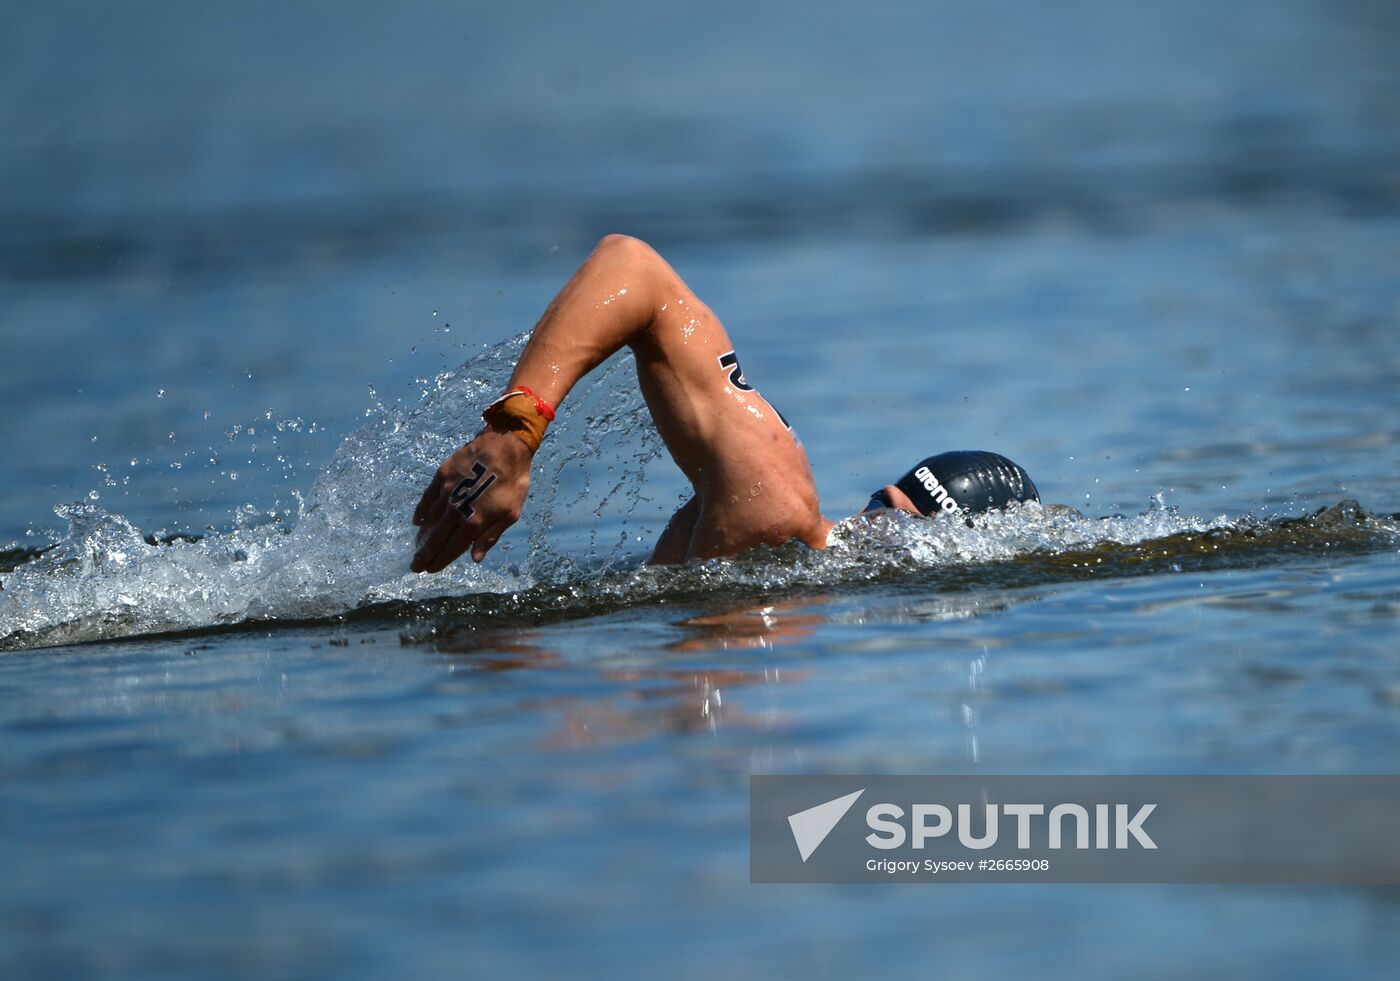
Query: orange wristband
(527, 418)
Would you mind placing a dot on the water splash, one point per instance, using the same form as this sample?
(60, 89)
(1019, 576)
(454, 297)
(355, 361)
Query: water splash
(349, 546)
(351, 541)
(1029, 546)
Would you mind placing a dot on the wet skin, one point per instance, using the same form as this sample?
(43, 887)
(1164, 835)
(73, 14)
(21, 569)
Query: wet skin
(752, 480)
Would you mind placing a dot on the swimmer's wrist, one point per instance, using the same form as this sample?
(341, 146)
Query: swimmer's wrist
(508, 443)
(521, 413)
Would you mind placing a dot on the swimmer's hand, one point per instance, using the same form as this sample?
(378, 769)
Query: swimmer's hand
(476, 495)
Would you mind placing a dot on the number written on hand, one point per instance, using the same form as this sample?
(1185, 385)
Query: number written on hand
(469, 488)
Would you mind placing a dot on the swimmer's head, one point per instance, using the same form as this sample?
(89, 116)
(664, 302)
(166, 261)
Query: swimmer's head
(963, 480)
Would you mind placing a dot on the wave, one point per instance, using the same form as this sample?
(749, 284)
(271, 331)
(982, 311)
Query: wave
(346, 553)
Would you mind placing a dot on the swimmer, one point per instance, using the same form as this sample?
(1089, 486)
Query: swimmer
(752, 481)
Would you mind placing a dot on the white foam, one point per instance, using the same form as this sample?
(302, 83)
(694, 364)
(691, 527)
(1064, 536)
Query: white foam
(351, 542)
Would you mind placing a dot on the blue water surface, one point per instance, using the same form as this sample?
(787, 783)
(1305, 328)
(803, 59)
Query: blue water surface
(1148, 251)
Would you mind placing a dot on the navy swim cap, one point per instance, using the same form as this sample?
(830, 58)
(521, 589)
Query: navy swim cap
(970, 480)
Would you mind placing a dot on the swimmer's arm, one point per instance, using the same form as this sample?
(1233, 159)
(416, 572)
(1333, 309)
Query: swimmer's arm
(609, 302)
(674, 544)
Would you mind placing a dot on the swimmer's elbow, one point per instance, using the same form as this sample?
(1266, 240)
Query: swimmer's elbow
(624, 248)
(638, 266)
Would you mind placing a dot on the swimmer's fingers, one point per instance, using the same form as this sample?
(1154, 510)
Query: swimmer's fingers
(441, 543)
(491, 535)
(458, 543)
(435, 541)
(438, 508)
(432, 503)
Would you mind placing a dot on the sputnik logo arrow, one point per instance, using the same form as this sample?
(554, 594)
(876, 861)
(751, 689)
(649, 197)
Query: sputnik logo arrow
(810, 827)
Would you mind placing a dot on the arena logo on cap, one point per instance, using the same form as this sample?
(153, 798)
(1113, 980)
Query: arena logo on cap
(940, 494)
